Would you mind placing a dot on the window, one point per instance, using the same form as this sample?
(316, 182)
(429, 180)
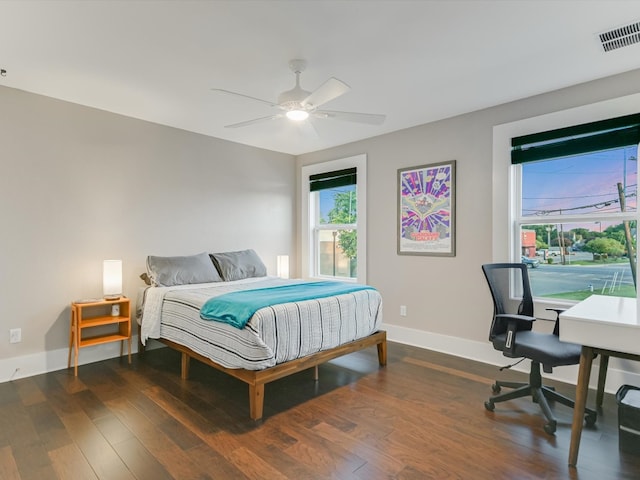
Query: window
(575, 206)
(333, 203)
(334, 218)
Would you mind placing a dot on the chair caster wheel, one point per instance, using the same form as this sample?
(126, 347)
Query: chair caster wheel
(550, 428)
(590, 419)
(489, 405)
(495, 388)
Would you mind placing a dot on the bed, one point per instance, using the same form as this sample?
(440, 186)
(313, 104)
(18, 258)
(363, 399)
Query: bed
(277, 340)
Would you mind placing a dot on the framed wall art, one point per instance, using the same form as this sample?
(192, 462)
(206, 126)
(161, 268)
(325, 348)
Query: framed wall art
(426, 210)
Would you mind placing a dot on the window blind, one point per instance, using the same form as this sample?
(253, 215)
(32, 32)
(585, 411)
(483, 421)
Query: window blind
(587, 137)
(337, 178)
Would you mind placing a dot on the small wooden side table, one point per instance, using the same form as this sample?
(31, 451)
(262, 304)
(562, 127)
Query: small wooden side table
(91, 314)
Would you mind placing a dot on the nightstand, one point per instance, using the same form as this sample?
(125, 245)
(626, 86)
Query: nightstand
(86, 316)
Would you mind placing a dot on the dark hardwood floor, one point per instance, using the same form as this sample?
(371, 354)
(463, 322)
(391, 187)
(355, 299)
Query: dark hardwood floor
(420, 417)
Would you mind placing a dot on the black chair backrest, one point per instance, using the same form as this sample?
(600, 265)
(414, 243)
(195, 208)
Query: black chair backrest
(511, 293)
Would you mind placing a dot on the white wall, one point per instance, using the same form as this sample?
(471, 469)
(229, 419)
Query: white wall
(448, 304)
(79, 185)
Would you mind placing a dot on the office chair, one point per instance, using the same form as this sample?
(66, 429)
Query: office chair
(511, 333)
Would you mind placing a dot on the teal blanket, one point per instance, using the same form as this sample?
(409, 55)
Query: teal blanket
(237, 308)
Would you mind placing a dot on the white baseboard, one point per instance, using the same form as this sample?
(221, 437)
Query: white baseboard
(619, 372)
(44, 362)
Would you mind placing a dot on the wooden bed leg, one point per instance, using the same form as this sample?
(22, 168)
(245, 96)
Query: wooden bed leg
(184, 371)
(256, 379)
(315, 373)
(256, 400)
(382, 353)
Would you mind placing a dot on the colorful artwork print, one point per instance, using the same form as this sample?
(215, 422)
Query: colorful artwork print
(426, 213)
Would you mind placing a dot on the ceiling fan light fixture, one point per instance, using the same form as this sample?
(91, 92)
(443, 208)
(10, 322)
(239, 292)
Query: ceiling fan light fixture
(297, 115)
(297, 104)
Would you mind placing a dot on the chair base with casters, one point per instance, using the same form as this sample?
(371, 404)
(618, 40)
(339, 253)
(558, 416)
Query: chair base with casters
(540, 394)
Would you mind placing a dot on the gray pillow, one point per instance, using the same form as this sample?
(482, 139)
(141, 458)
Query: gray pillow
(170, 271)
(239, 265)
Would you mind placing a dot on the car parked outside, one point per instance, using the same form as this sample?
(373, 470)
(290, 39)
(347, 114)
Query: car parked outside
(530, 262)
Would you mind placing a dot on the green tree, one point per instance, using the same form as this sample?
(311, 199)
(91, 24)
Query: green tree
(541, 234)
(619, 236)
(608, 246)
(617, 232)
(343, 212)
(567, 241)
(580, 233)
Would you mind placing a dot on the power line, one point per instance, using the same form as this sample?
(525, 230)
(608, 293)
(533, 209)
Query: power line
(601, 206)
(577, 196)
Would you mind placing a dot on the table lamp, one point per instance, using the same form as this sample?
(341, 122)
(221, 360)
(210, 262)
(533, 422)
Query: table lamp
(282, 266)
(112, 283)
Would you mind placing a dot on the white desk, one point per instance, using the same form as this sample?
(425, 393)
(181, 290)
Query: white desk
(605, 325)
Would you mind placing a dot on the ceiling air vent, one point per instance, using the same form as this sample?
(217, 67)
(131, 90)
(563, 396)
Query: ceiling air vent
(620, 37)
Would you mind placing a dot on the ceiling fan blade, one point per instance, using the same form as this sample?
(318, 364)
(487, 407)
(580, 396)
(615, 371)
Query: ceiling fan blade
(255, 120)
(326, 92)
(369, 118)
(228, 92)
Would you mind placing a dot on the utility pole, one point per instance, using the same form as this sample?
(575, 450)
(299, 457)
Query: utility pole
(548, 238)
(627, 234)
(335, 234)
(560, 232)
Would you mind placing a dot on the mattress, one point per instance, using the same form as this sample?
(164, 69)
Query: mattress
(274, 334)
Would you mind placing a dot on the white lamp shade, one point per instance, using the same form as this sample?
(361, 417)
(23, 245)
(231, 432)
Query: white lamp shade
(282, 266)
(112, 278)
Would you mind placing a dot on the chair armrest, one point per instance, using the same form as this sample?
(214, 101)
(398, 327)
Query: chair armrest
(556, 327)
(512, 327)
(513, 316)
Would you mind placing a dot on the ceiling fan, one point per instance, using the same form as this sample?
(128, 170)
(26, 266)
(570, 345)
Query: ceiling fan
(298, 104)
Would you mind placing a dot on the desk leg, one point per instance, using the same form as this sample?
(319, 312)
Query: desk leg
(602, 379)
(582, 389)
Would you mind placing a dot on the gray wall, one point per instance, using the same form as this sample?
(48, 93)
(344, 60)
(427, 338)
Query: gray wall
(448, 303)
(80, 185)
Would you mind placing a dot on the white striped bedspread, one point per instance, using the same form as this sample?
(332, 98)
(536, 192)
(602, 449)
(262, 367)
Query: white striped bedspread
(275, 334)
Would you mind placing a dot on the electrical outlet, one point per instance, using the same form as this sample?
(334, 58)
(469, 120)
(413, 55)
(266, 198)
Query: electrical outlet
(403, 310)
(15, 335)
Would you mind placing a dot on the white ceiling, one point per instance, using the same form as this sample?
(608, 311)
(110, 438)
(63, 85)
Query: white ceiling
(415, 61)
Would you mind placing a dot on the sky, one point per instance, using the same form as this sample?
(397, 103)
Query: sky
(581, 184)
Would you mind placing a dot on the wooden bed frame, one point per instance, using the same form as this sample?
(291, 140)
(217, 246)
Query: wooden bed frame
(256, 379)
